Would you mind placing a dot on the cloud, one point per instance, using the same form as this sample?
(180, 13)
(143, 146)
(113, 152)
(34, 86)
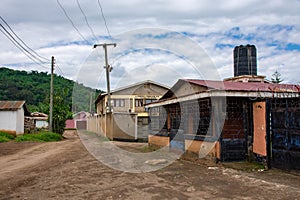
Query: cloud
(213, 28)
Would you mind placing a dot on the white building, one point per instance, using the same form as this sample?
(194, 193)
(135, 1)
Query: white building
(12, 116)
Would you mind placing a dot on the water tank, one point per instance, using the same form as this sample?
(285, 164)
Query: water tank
(245, 61)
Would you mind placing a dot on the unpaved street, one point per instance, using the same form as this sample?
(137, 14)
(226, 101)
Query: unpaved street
(65, 170)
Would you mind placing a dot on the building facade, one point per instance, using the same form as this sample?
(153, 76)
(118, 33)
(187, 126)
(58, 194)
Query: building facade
(230, 121)
(12, 116)
(128, 111)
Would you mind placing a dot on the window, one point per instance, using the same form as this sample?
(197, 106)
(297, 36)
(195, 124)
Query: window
(149, 100)
(112, 102)
(122, 102)
(139, 103)
(118, 102)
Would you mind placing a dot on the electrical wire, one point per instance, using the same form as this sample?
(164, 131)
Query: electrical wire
(60, 71)
(21, 48)
(70, 20)
(86, 20)
(105, 23)
(23, 41)
(10, 35)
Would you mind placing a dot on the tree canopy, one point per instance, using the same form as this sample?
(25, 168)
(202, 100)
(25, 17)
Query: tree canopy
(34, 88)
(276, 77)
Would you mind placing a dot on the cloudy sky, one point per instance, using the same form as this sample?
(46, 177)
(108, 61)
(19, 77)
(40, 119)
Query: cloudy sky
(161, 40)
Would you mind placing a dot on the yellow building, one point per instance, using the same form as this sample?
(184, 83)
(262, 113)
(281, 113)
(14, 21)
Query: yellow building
(129, 118)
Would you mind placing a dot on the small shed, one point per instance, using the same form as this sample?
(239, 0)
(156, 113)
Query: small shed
(12, 116)
(40, 119)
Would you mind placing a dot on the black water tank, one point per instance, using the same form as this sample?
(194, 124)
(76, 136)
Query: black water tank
(245, 62)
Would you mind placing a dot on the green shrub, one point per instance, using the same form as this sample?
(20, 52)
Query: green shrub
(5, 137)
(50, 137)
(40, 137)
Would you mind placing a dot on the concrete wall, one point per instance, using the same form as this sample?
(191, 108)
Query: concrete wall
(12, 121)
(207, 148)
(70, 123)
(125, 126)
(20, 121)
(95, 124)
(92, 124)
(8, 122)
(108, 126)
(158, 141)
(121, 126)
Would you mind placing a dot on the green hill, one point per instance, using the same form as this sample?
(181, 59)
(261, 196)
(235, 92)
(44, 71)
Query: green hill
(34, 87)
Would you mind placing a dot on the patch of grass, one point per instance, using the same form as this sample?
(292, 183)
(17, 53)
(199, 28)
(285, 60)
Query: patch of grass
(244, 166)
(5, 137)
(39, 137)
(148, 148)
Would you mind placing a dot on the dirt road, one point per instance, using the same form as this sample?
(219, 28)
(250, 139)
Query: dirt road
(65, 170)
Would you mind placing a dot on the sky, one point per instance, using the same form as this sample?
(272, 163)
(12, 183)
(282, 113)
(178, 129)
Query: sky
(159, 40)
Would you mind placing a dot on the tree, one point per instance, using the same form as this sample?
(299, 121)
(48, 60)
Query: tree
(276, 77)
(61, 112)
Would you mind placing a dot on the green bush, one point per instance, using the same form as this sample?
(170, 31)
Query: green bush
(40, 137)
(5, 137)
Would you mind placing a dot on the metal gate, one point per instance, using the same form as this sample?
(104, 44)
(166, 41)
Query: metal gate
(285, 133)
(235, 130)
(233, 149)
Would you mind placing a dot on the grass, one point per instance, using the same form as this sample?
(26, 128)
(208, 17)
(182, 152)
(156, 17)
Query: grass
(5, 137)
(39, 137)
(147, 149)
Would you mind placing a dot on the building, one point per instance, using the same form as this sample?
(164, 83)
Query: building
(40, 120)
(232, 120)
(12, 116)
(129, 119)
(244, 117)
(78, 122)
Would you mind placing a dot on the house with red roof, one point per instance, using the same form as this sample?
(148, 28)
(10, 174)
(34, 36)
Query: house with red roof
(239, 118)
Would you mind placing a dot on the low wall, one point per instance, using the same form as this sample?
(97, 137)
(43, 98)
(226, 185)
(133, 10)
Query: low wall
(115, 126)
(210, 149)
(158, 141)
(125, 126)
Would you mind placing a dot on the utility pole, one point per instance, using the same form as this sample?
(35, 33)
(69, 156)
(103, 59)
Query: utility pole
(51, 96)
(91, 101)
(108, 69)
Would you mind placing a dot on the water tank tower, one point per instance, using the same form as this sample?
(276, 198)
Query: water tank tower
(245, 61)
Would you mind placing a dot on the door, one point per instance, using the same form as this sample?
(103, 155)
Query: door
(259, 128)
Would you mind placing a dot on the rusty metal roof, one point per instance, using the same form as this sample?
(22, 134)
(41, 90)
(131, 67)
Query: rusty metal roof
(234, 86)
(245, 86)
(13, 106)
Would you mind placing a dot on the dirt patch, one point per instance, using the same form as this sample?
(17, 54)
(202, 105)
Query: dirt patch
(65, 170)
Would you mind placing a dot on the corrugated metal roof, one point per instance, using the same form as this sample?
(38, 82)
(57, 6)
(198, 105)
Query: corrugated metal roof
(246, 87)
(11, 105)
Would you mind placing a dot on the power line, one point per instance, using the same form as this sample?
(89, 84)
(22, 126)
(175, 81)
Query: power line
(10, 35)
(20, 47)
(102, 13)
(86, 20)
(70, 20)
(23, 41)
(60, 71)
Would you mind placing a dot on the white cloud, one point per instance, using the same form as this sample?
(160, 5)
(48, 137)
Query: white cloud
(215, 26)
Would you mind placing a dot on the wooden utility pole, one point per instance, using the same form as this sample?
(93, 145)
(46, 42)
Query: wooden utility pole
(51, 96)
(108, 69)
